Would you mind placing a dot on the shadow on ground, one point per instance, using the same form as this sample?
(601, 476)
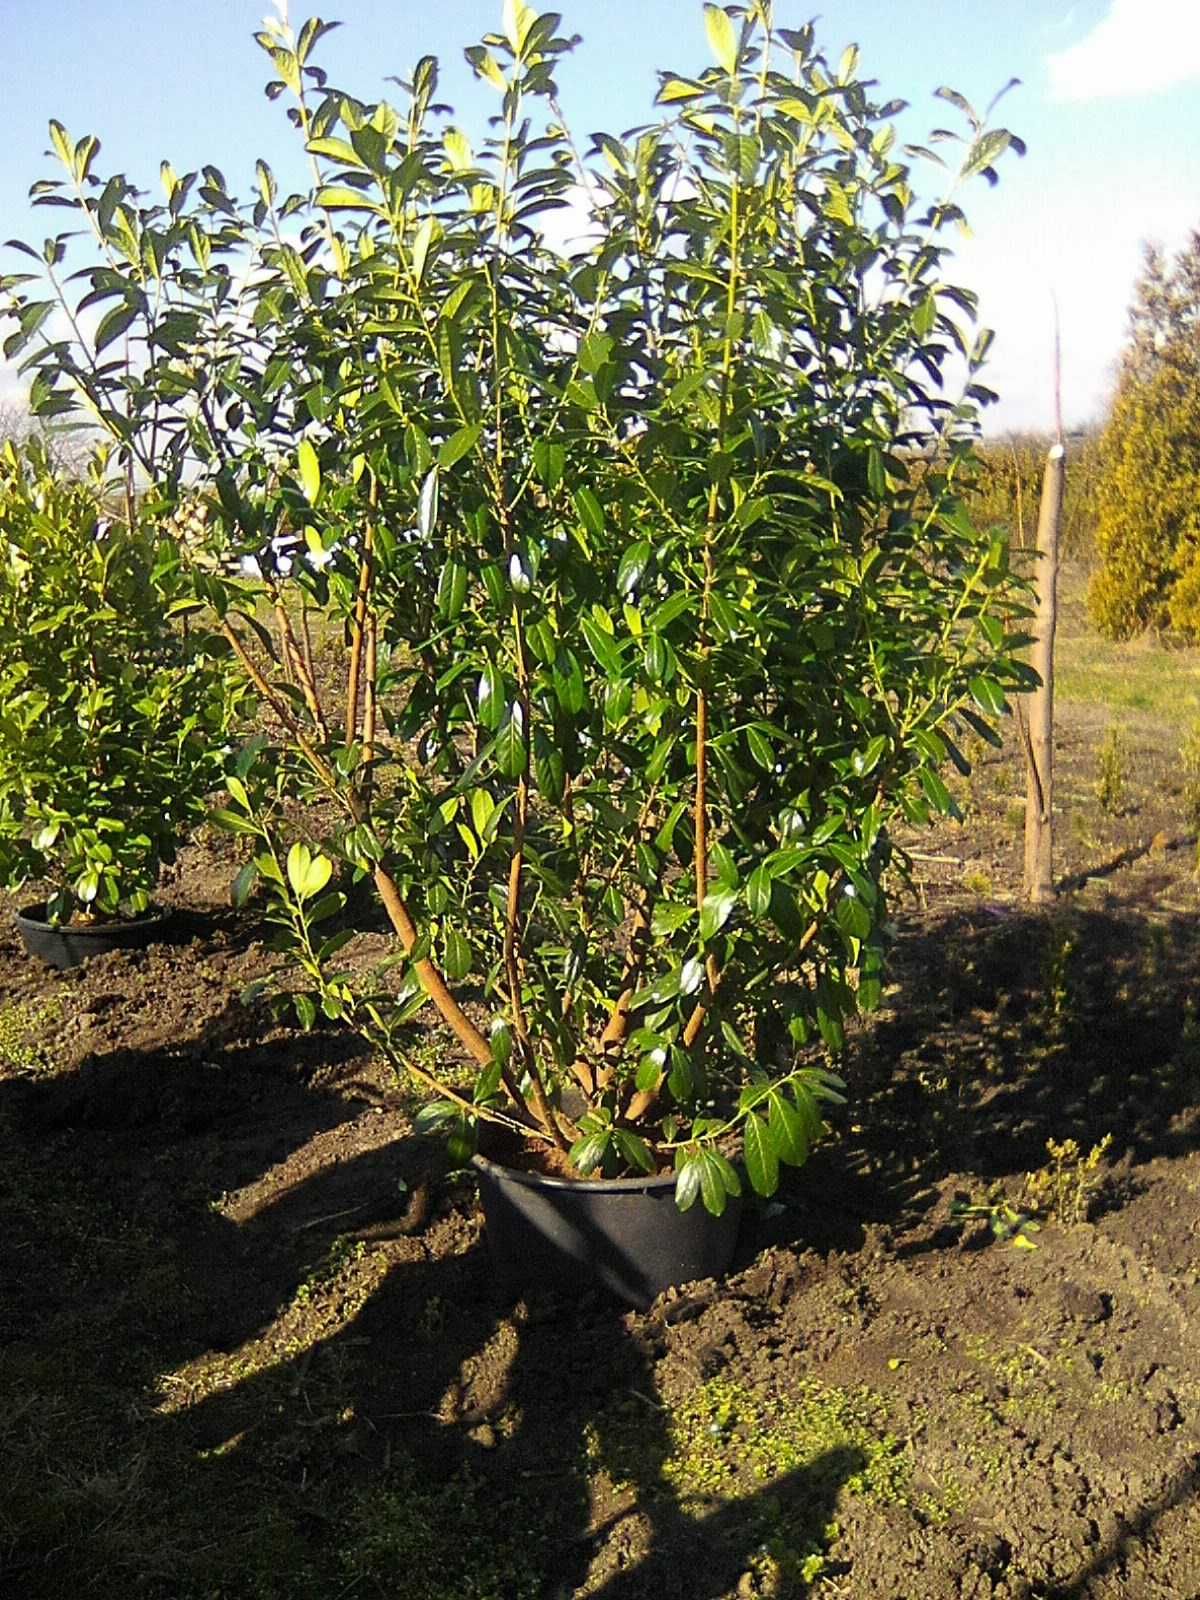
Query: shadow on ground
(219, 1383)
(250, 1346)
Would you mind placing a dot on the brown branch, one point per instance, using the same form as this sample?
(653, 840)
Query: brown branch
(370, 704)
(306, 637)
(617, 1026)
(283, 711)
(434, 984)
(389, 893)
(366, 574)
(294, 661)
(285, 655)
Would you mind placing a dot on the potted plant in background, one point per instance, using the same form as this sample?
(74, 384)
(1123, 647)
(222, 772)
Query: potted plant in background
(112, 722)
(657, 598)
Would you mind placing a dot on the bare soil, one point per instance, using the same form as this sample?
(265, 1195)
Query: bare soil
(250, 1345)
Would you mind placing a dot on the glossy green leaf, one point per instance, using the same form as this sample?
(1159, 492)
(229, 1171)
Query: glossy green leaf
(309, 468)
(762, 1158)
(457, 956)
(458, 445)
(722, 39)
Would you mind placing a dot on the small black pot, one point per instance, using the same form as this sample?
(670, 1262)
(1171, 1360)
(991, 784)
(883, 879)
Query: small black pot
(623, 1234)
(64, 946)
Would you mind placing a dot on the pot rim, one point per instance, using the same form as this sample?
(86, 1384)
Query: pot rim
(663, 1182)
(27, 916)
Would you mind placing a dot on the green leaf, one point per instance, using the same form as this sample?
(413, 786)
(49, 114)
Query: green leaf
(307, 874)
(337, 197)
(421, 245)
(483, 808)
(594, 351)
(681, 1080)
(758, 892)
(674, 89)
(588, 1153)
(549, 461)
(761, 748)
(237, 789)
(603, 647)
(691, 976)
(687, 1182)
(649, 1075)
(939, 796)
(240, 889)
(633, 564)
(489, 697)
(722, 39)
(336, 150)
(865, 761)
(427, 506)
(715, 912)
(458, 445)
(231, 821)
(306, 1010)
(590, 511)
(789, 1129)
(712, 1184)
(452, 590)
(114, 325)
(510, 752)
(457, 956)
(668, 917)
(988, 695)
(310, 470)
(518, 19)
(762, 1158)
(633, 1150)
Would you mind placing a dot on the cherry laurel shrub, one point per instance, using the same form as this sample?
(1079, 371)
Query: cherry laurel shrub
(111, 721)
(652, 626)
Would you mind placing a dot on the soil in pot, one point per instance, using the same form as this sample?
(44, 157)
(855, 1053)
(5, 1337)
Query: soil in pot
(70, 945)
(626, 1235)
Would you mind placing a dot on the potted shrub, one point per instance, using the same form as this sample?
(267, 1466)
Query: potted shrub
(111, 721)
(657, 597)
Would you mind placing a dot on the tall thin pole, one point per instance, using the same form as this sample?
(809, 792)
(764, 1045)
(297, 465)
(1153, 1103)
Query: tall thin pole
(1039, 751)
(1039, 742)
(1040, 733)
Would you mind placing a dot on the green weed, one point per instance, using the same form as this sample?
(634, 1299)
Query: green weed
(1113, 769)
(28, 1042)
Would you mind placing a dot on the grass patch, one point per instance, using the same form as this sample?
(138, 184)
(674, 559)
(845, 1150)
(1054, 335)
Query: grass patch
(27, 1033)
(781, 1463)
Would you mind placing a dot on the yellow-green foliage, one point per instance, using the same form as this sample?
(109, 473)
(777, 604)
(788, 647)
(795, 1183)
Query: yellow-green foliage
(28, 1033)
(787, 1463)
(1148, 485)
(1064, 1187)
(1189, 762)
(728, 1439)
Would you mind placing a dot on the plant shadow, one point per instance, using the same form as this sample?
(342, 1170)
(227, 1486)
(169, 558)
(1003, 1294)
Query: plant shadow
(1006, 1028)
(251, 1345)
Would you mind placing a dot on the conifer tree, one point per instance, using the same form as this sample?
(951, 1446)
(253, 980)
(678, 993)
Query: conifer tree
(1148, 489)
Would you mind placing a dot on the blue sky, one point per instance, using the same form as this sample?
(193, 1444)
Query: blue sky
(1109, 106)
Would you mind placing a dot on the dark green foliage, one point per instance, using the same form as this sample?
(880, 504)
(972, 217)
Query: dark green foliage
(668, 626)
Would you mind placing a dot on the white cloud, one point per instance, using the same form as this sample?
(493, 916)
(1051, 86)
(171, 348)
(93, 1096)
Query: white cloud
(1140, 47)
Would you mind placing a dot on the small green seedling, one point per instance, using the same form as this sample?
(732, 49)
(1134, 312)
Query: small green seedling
(1008, 1225)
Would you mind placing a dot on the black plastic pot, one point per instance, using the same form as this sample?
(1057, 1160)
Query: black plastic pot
(623, 1234)
(64, 946)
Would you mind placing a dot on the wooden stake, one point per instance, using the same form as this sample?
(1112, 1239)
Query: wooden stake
(1039, 746)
